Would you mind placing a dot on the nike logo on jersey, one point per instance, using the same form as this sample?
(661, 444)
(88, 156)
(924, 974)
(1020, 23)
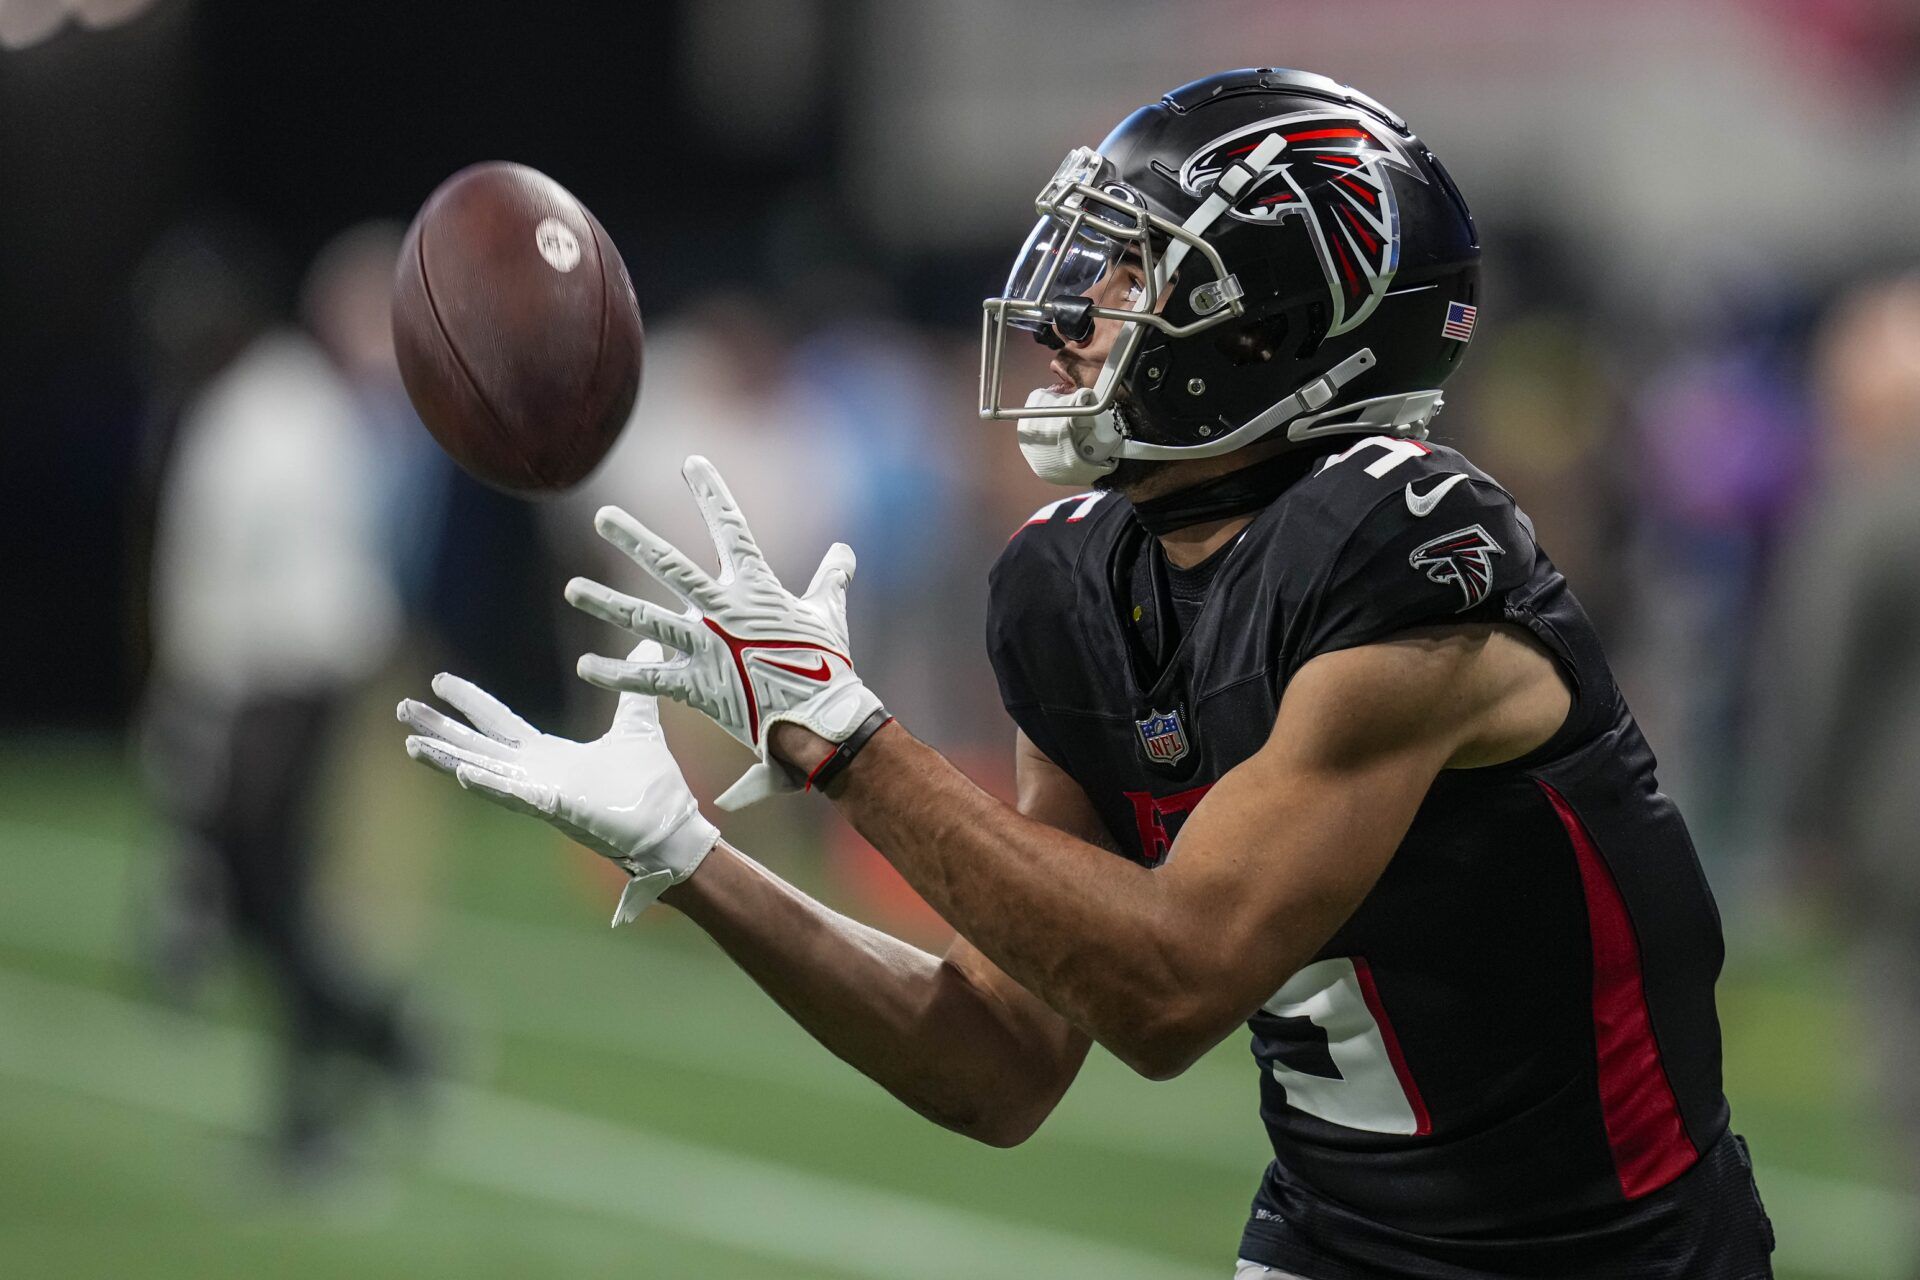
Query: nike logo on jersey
(818, 671)
(1423, 504)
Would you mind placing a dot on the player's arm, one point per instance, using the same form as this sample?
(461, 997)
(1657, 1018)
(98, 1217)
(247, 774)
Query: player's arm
(1160, 964)
(1155, 965)
(951, 1036)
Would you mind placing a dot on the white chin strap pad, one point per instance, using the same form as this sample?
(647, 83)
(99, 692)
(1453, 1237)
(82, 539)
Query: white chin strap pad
(1064, 450)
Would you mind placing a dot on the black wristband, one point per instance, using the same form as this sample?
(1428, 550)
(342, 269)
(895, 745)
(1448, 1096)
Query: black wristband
(836, 764)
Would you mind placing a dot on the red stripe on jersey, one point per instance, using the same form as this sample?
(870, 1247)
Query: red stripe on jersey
(1423, 1123)
(1642, 1117)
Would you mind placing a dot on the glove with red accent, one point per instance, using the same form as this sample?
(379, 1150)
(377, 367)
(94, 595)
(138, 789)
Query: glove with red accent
(747, 652)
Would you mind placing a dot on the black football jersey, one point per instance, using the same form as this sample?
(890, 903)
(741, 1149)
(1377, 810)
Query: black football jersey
(1513, 1038)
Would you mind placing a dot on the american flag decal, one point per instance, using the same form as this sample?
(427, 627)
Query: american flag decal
(1459, 325)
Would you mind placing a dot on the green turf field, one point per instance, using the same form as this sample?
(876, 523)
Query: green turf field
(626, 1104)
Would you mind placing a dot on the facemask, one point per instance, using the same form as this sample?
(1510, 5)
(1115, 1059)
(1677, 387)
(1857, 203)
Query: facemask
(1065, 450)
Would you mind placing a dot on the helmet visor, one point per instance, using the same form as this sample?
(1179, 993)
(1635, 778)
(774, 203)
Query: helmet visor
(1080, 235)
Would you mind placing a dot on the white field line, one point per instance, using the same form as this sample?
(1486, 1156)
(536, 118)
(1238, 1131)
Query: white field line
(1828, 1226)
(84, 1041)
(1108, 1109)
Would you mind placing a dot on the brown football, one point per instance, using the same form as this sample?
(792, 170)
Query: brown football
(516, 327)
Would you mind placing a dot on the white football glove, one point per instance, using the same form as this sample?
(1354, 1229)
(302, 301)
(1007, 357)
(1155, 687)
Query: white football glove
(620, 795)
(750, 653)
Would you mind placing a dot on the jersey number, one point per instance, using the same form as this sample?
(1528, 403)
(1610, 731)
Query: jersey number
(1374, 1091)
(1394, 451)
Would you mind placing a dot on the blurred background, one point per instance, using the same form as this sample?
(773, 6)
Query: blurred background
(274, 1001)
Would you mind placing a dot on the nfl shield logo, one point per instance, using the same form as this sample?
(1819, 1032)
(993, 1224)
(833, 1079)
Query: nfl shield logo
(1162, 736)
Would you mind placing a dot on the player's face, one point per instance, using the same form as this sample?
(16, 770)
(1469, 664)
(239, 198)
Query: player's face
(1077, 364)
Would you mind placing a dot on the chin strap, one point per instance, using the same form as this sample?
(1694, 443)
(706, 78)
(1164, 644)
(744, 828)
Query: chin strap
(1072, 449)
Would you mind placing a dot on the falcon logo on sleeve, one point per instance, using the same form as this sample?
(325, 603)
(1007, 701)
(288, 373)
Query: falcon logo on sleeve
(1332, 173)
(1463, 558)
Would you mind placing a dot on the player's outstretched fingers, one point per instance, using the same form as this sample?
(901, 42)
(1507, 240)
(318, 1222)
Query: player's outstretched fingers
(431, 723)
(835, 574)
(515, 793)
(726, 523)
(487, 713)
(448, 758)
(647, 651)
(637, 713)
(638, 616)
(640, 712)
(647, 678)
(656, 555)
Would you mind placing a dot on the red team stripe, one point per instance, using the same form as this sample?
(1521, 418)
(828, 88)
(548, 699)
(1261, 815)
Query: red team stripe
(1650, 1145)
(1423, 1123)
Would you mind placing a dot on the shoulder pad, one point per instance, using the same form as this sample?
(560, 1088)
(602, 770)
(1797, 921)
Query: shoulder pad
(1401, 534)
(1071, 510)
(1044, 549)
(1373, 481)
(1049, 543)
(1032, 591)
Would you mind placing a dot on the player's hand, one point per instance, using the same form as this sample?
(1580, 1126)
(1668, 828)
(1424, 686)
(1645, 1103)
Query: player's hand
(620, 795)
(749, 653)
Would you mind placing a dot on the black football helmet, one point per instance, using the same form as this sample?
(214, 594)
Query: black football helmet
(1310, 265)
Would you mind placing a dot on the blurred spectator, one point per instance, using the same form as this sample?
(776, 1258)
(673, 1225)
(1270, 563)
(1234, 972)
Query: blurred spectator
(1722, 457)
(273, 600)
(204, 291)
(1842, 686)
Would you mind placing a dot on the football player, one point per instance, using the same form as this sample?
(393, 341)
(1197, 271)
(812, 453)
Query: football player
(1312, 737)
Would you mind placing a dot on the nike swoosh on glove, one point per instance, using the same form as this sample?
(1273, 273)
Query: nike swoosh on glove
(620, 795)
(748, 652)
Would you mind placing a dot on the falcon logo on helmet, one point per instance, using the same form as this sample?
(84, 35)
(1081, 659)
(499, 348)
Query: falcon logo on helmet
(1463, 558)
(1331, 174)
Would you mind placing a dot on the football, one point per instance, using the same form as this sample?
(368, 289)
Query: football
(516, 328)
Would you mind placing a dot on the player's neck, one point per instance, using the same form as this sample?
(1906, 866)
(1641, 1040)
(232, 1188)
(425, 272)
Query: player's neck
(1190, 544)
